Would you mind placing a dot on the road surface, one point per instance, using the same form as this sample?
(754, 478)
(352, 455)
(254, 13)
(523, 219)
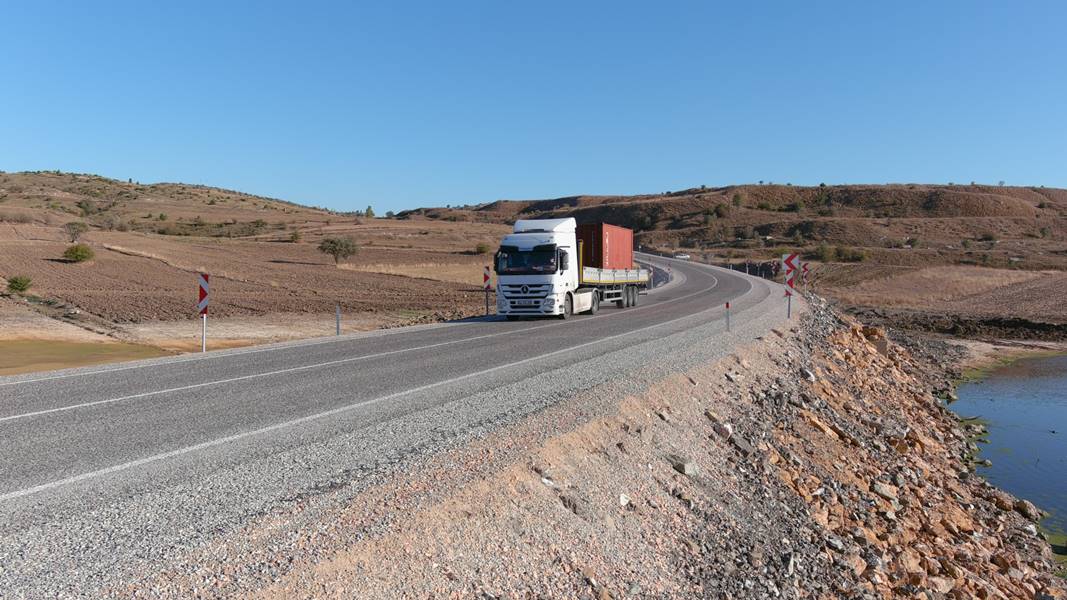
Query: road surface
(112, 469)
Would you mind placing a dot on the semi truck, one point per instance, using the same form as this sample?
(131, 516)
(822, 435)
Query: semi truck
(553, 267)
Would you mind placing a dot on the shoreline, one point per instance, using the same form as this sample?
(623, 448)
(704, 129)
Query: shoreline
(981, 358)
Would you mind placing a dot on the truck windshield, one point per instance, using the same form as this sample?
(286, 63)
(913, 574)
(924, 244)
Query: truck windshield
(525, 262)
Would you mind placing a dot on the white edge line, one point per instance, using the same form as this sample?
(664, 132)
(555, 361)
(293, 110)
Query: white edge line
(328, 363)
(305, 419)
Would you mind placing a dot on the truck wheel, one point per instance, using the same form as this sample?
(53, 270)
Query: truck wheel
(627, 294)
(568, 308)
(621, 302)
(636, 293)
(594, 306)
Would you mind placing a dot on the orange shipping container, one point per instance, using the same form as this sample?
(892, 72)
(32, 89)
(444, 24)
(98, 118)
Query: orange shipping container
(606, 246)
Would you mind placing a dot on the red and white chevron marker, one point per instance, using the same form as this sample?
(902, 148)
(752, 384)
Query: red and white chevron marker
(202, 307)
(804, 273)
(487, 285)
(202, 304)
(789, 263)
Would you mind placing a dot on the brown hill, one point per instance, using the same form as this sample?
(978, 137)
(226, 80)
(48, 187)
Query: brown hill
(269, 281)
(906, 224)
(953, 251)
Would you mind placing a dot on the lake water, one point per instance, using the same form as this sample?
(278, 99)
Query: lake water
(1025, 406)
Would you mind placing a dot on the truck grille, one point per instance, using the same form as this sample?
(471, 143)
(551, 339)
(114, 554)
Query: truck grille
(525, 291)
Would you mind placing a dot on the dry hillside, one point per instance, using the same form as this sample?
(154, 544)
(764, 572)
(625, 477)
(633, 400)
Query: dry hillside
(968, 251)
(269, 281)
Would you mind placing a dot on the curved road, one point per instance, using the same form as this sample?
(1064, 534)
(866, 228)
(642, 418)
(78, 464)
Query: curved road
(137, 459)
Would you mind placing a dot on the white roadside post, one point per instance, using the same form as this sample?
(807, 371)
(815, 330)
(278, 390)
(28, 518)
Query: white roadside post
(727, 316)
(202, 307)
(487, 285)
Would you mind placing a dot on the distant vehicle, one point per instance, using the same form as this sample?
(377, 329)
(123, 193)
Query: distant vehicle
(681, 256)
(554, 267)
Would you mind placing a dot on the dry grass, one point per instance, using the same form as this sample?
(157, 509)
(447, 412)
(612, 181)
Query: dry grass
(454, 273)
(924, 288)
(25, 356)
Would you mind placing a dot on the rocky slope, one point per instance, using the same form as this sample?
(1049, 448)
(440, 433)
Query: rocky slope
(814, 463)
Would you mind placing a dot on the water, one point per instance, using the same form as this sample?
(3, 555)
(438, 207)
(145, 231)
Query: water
(1025, 406)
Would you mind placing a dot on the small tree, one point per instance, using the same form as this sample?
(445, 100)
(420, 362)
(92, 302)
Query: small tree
(369, 213)
(18, 284)
(75, 229)
(482, 248)
(339, 248)
(737, 199)
(78, 253)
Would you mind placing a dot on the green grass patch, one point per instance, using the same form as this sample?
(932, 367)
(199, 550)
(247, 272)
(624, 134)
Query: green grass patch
(1058, 541)
(25, 356)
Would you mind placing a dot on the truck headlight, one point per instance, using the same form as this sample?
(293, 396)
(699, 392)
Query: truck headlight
(501, 302)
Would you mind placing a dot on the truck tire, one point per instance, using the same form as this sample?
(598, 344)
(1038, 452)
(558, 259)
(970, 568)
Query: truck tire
(628, 295)
(621, 302)
(636, 293)
(568, 308)
(594, 306)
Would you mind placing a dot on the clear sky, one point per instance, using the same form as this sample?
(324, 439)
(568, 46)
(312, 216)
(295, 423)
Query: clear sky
(404, 104)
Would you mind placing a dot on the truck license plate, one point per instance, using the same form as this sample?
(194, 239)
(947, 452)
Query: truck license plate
(526, 302)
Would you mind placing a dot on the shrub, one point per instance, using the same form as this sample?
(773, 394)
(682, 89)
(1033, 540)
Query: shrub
(737, 199)
(75, 229)
(966, 243)
(339, 248)
(722, 211)
(763, 206)
(847, 254)
(482, 248)
(988, 236)
(1042, 204)
(16, 218)
(19, 284)
(78, 253)
(826, 253)
(294, 237)
(162, 216)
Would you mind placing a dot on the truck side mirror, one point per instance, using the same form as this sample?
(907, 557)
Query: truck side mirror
(564, 261)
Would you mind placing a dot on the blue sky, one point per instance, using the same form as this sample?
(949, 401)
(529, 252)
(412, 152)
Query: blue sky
(404, 104)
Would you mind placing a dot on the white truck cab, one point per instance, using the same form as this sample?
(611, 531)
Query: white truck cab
(539, 272)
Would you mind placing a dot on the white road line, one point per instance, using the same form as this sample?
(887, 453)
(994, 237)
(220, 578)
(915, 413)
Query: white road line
(286, 346)
(322, 364)
(306, 419)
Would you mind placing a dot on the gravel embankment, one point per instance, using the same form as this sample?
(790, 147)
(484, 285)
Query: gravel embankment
(814, 461)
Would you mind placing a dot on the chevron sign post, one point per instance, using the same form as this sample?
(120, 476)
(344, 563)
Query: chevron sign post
(789, 266)
(487, 285)
(202, 307)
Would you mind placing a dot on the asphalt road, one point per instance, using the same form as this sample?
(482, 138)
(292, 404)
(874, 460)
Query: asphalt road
(138, 460)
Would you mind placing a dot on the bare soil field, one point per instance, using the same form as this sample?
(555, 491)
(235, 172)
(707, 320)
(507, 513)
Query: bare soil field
(269, 282)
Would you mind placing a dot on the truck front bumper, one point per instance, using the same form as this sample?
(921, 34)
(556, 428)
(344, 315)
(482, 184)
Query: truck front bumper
(551, 305)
